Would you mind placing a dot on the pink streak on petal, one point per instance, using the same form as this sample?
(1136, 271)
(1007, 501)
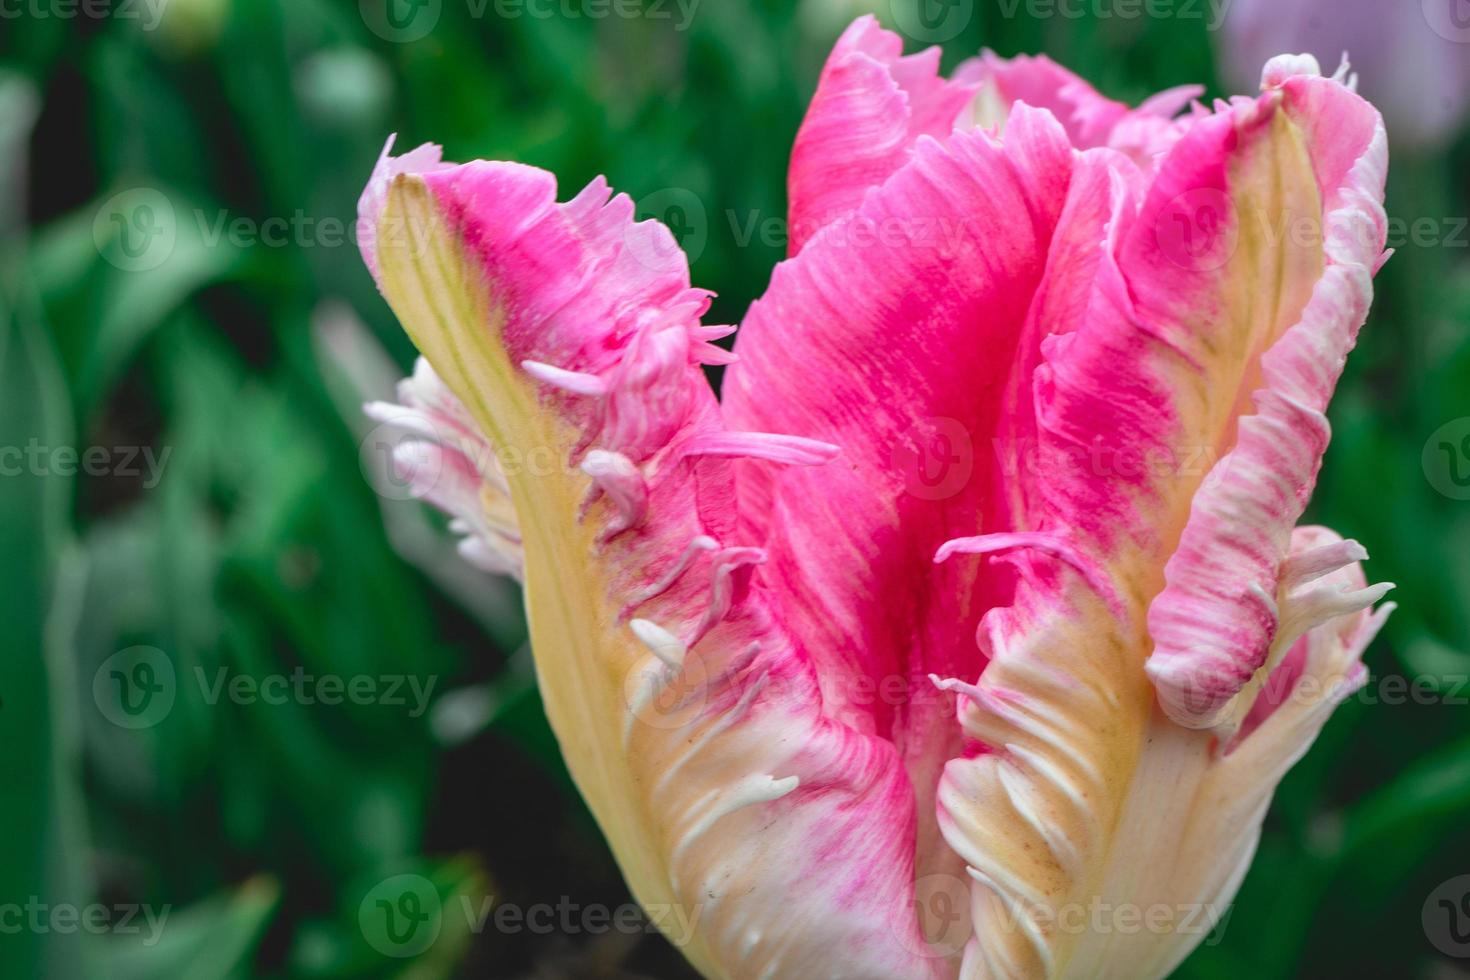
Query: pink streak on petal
(580, 280)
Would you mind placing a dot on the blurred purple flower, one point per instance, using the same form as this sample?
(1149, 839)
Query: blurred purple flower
(1412, 57)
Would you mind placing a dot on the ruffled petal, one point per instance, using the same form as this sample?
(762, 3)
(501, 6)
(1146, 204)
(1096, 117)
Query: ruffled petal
(1195, 806)
(880, 349)
(1410, 57)
(1213, 626)
(1117, 333)
(761, 835)
(1090, 118)
(871, 105)
(446, 461)
(1328, 598)
(884, 337)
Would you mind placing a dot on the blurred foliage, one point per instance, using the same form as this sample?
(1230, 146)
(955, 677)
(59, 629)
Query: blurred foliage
(255, 546)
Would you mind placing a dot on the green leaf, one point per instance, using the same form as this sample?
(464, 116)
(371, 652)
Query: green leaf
(1434, 792)
(212, 940)
(39, 580)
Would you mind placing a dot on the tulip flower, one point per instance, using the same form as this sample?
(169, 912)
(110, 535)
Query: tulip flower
(969, 630)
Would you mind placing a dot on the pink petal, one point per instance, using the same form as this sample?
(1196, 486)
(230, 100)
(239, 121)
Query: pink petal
(1214, 623)
(887, 345)
(690, 718)
(877, 343)
(1091, 119)
(1067, 354)
(871, 105)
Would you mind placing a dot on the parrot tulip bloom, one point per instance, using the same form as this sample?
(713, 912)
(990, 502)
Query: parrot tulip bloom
(979, 589)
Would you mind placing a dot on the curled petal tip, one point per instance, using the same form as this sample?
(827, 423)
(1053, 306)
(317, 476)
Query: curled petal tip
(664, 645)
(618, 477)
(956, 686)
(1380, 616)
(576, 382)
(770, 446)
(948, 550)
(711, 354)
(381, 411)
(1285, 66)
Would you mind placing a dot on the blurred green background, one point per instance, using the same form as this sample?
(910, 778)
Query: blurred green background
(225, 528)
